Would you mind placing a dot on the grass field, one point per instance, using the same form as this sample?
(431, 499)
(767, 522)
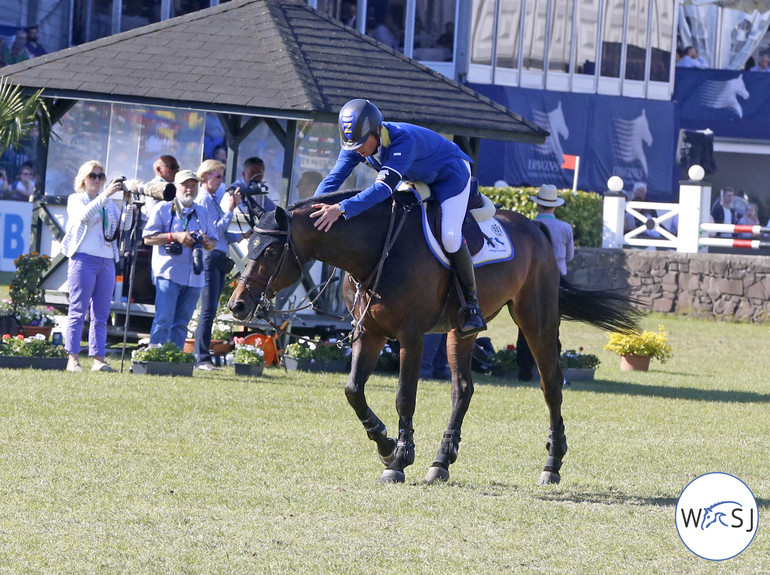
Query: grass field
(215, 474)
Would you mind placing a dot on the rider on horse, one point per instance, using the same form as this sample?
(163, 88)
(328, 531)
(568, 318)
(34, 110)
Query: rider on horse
(400, 151)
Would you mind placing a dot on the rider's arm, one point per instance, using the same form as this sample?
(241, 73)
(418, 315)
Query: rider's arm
(346, 162)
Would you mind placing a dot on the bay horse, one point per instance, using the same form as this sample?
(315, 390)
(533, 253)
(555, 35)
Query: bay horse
(401, 291)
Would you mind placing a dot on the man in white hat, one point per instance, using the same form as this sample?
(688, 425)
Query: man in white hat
(177, 229)
(547, 200)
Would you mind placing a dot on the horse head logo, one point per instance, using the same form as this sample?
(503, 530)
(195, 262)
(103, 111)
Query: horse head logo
(555, 123)
(715, 513)
(724, 95)
(633, 135)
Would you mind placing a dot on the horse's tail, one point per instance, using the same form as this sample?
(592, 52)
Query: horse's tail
(610, 310)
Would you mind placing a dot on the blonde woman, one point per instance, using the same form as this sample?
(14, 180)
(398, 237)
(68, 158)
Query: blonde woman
(91, 246)
(220, 206)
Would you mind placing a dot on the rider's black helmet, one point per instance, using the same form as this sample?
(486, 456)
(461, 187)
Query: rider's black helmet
(357, 121)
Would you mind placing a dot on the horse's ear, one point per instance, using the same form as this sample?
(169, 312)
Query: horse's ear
(282, 218)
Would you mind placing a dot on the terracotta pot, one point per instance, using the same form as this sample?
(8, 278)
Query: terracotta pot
(33, 330)
(635, 362)
(189, 345)
(220, 347)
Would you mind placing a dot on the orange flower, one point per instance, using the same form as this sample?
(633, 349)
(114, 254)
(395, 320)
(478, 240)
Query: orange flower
(6, 336)
(20, 336)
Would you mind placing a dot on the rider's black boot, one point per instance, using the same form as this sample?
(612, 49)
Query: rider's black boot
(470, 321)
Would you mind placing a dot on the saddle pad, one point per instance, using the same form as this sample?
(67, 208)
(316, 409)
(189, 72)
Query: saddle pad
(496, 247)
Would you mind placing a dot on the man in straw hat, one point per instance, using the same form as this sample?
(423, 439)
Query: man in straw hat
(547, 201)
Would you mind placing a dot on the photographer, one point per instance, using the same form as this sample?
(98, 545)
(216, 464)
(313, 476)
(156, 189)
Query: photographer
(253, 191)
(220, 205)
(179, 231)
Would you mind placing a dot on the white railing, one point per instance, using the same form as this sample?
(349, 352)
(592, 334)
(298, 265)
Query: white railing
(676, 225)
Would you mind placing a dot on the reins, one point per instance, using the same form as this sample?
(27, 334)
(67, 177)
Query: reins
(367, 286)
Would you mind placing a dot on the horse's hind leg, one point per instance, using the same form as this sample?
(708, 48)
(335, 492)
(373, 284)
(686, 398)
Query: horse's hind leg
(459, 353)
(540, 324)
(366, 353)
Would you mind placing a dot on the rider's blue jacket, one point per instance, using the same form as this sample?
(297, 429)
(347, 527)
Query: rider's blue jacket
(406, 152)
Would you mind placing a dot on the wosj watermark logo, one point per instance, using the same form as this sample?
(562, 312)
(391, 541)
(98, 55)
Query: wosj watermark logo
(717, 516)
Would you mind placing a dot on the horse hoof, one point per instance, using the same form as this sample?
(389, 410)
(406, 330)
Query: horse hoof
(436, 474)
(548, 478)
(392, 476)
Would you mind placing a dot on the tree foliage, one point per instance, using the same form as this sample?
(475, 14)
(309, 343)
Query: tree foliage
(18, 113)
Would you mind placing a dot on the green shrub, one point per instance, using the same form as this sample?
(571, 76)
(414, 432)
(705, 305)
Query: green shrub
(583, 211)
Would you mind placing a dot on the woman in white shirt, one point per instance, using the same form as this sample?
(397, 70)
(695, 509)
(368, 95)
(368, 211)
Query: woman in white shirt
(91, 246)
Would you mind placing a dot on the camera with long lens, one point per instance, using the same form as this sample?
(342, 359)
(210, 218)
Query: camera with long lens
(197, 253)
(161, 191)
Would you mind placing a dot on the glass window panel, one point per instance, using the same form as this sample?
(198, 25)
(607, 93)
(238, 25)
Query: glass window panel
(636, 39)
(587, 29)
(263, 144)
(482, 29)
(434, 30)
(179, 7)
(613, 38)
(137, 13)
(660, 40)
(92, 19)
(561, 36)
(534, 34)
(508, 34)
(385, 20)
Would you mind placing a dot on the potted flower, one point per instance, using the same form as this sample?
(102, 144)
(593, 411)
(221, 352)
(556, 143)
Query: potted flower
(637, 349)
(248, 359)
(221, 334)
(316, 355)
(166, 359)
(504, 362)
(576, 365)
(31, 352)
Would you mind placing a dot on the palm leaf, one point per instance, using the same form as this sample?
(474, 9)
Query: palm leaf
(18, 113)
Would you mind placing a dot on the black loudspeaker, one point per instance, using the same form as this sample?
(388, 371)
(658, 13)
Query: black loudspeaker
(696, 147)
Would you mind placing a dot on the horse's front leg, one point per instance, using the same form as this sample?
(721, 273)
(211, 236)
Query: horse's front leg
(406, 397)
(459, 352)
(366, 353)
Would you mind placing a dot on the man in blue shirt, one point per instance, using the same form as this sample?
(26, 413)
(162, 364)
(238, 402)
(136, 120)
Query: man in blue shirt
(178, 283)
(400, 151)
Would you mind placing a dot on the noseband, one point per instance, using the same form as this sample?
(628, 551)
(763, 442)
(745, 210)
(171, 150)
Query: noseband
(262, 304)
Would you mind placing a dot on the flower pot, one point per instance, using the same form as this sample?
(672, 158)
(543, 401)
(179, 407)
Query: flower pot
(635, 362)
(293, 363)
(189, 345)
(33, 330)
(248, 369)
(162, 368)
(17, 362)
(220, 347)
(578, 373)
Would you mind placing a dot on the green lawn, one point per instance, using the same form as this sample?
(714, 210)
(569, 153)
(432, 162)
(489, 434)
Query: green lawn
(214, 474)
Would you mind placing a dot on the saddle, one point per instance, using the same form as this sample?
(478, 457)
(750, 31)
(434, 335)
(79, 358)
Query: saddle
(480, 208)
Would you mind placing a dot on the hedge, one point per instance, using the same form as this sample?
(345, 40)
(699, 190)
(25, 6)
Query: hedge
(583, 210)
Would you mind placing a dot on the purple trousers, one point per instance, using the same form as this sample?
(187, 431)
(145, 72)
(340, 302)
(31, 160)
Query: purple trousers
(91, 281)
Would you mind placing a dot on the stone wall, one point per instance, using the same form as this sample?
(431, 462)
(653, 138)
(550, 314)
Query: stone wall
(708, 285)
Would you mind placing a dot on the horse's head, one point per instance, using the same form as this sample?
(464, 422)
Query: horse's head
(272, 265)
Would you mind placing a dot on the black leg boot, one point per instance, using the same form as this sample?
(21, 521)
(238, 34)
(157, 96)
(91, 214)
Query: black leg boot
(470, 321)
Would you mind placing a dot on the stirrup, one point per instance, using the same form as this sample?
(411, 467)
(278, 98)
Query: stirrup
(474, 322)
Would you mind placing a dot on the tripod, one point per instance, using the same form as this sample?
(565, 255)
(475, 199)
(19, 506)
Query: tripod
(130, 246)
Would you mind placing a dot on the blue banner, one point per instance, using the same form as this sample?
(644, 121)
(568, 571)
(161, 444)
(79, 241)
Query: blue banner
(733, 104)
(628, 137)
(15, 227)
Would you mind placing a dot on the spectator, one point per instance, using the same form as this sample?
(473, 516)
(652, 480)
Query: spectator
(349, 13)
(721, 210)
(34, 47)
(220, 206)
(253, 173)
(5, 186)
(308, 183)
(219, 154)
(382, 32)
(763, 65)
(165, 168)
(178, 281)
(447, 39)
(690, 59)
(547, 201)
(639, 194)
(18, 50)
(91, 246)
(434, 358)
(750, 218)
(23, 189)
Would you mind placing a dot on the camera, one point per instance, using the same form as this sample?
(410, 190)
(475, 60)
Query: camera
(254, 188)
(173, 249)
(161, 191)
(197, 253)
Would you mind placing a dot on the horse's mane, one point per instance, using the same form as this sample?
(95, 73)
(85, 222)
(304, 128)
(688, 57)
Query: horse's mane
(330, 198)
